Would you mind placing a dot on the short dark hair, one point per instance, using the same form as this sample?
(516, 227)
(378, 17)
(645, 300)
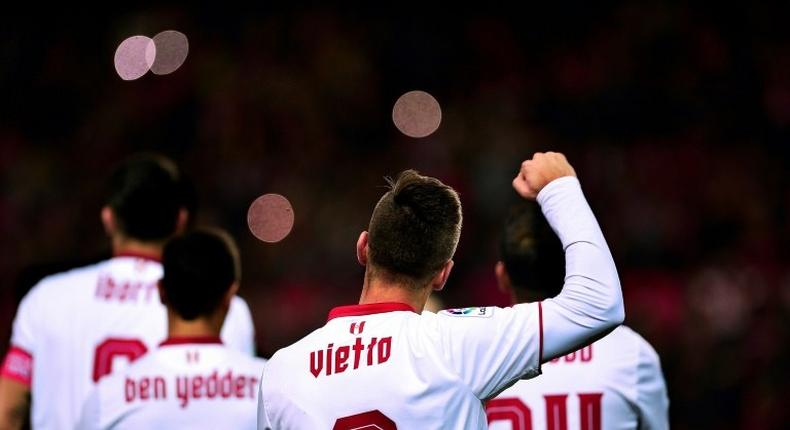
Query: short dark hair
(146, 193)
(532, 253)
(415, 227)
(199, 268)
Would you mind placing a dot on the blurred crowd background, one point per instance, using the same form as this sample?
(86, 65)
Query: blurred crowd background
(676, 118)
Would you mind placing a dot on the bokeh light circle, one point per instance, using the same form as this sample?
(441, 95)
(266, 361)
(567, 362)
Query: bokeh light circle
(171, 51)
(270, 218)
(417, 114)
(134, 57)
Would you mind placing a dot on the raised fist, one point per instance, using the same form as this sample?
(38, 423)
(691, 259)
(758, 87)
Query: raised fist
(536, 173)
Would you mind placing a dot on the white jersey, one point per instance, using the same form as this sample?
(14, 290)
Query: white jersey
(188, 383)
(615, 384)
(384, 366)
(75, 327)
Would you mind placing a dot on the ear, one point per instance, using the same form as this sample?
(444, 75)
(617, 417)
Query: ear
(438, 281)
(502, 278)
(234, 288)
(162, 294)
(108, 220)
(362, 248)
(182, 222)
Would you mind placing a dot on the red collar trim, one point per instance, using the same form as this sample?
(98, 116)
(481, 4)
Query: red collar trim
(191, 340)
(140, 255)
(368, 309)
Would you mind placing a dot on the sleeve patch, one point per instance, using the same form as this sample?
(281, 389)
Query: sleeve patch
(18, 365)
(479, 312)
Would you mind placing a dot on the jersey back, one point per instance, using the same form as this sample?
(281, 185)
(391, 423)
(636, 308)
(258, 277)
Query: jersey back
(76, 327)
(387, 367)
(600, 386)
(181, 385)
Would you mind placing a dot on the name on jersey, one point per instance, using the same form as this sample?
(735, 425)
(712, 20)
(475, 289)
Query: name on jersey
(584, 355)
(189, 387)
(334, 360)
(111, 289)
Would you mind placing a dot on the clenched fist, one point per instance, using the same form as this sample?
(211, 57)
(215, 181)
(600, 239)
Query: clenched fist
(539, 171)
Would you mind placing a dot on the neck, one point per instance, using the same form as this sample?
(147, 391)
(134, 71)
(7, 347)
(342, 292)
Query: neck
(376, 289)
(199, 327)
(123, 245)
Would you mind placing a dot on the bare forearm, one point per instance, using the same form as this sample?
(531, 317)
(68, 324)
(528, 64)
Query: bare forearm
(14, 404)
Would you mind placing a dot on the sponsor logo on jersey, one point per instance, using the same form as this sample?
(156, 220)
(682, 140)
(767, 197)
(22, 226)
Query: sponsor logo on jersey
(480, 312)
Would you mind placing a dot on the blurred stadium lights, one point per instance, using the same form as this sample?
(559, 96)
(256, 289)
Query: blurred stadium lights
(417, 114)
(172, 48)
(162, 55)
(270, 218)
(134, 57)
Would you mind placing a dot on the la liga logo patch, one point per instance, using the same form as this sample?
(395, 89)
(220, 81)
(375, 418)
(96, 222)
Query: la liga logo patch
(480, 312)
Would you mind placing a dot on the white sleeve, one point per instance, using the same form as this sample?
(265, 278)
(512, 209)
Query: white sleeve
(238, 332)
(490, 348)
(89, 418)
(590, 304)
(263, 420)
(652, 400)
(18, 362)
(25, 330)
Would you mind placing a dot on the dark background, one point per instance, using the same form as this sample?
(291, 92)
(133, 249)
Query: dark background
(676, 118)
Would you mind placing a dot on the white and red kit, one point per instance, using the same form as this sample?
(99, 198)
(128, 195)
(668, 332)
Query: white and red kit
(188, 383)
(615, 384)
(74, 327)
(384, 366)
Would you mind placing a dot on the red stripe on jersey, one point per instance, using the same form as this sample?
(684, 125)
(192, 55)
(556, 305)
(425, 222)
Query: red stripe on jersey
(139, 255)
(368, 309)
(184, 340)
(540, 324)
(18, 365)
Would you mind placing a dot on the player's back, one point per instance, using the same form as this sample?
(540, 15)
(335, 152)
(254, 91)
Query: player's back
(187, 383)
(614, 383)
(387, 366)
(81, 325)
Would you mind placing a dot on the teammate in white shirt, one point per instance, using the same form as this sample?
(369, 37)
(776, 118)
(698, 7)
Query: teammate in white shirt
(192, 381)
(381, 364)
(75, 327)
(615, 383)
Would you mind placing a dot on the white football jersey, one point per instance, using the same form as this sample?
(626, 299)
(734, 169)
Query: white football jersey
(75, 327)
(188, 383)
(384, 365)
(615, 384)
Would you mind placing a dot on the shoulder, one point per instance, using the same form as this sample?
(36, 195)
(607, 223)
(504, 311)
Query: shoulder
(52, 288)
(484, 317)
(629, 358)
(71, 277)
(246, 362)
(239, 309)
(239, 303)
(625, 337)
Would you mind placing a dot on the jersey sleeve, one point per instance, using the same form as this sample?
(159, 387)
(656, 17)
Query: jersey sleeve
(238, 332)
(263, 419)
(90, 416)
(651, 398)
(18, 362)
(591, 302)
(490, 348)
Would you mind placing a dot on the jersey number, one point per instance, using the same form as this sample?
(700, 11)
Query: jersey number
(370, 420)
(111, 348)
(519, 415)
